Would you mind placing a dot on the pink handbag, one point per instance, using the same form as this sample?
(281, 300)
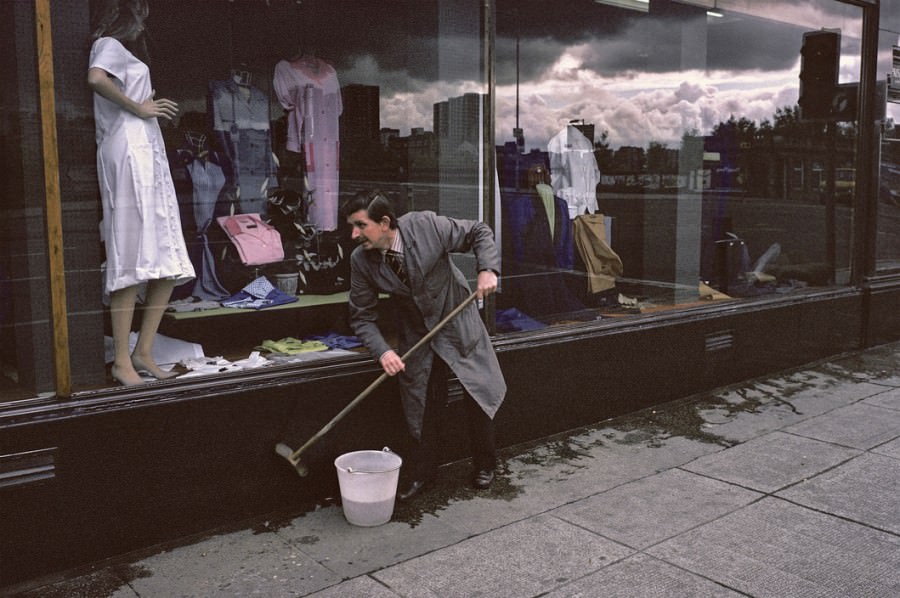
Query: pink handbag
(257, 242)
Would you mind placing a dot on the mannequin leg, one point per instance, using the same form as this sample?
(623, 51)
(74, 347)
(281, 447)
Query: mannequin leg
(121, 311)
(158, 294)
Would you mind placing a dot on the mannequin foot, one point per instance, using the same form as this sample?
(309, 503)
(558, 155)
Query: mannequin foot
(151, 368)
(125, 375)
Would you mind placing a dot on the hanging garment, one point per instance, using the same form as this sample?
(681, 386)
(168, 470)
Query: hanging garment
(537, 262)
(602, 263)
(308, 89)
(241, 123)
(207, 180)
(528, 235)
(574, 174)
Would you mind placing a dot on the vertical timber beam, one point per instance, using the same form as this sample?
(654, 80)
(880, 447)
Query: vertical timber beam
(53, 203)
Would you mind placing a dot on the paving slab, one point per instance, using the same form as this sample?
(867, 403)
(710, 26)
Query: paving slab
(528, 558)
(655, 508)
(359, 587)
(864, 490)
(534, 480)
(644, 576)
(860, 426)
(760, 407)
(771, 462)
(348, 550)
(889, 449)
(889, 399)
(778, 549)
(235, 564)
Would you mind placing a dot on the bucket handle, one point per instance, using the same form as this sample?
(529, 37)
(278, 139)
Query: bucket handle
(351, 470)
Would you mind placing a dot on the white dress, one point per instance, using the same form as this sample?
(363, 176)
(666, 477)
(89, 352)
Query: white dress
(141, 224)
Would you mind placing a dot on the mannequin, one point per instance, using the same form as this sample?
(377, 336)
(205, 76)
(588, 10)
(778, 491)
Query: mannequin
(141, 223)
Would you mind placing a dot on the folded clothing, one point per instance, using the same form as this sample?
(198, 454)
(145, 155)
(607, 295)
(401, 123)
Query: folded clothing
(292, 346)
(338, 341)
(259, 294)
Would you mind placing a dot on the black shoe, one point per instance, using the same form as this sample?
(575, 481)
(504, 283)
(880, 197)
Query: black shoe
(483, 479)
(413, 489)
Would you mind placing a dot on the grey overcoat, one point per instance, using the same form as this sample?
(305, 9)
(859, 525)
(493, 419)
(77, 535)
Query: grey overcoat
(436, 286)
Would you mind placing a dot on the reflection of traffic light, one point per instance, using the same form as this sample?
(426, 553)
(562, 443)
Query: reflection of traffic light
(843, 102)
(819, 58)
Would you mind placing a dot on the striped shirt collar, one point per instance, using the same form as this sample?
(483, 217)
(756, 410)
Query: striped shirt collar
(397, 245)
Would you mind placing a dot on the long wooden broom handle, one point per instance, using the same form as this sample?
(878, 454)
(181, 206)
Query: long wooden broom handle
(368, 390)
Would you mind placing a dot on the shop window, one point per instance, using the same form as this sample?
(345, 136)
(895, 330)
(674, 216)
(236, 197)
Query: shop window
(652, 156)
(888, 238)
(285, 110)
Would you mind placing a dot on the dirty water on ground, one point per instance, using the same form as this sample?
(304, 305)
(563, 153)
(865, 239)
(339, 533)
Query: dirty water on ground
(694, 418)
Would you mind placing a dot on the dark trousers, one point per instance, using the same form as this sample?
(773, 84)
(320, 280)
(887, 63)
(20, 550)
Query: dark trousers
(426, 452)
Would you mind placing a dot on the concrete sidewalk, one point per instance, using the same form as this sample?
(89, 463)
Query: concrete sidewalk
(782, 486)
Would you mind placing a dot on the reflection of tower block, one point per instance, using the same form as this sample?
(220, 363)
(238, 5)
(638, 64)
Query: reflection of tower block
(732, 260)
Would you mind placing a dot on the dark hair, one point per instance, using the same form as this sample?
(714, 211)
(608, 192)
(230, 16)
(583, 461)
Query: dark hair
(375, 203)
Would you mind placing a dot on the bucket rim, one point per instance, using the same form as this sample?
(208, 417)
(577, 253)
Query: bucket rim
(399, 461)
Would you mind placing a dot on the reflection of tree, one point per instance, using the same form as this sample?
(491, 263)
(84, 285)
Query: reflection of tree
(760, 158)
(658, 161)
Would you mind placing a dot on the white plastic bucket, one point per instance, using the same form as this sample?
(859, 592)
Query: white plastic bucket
(368, 481)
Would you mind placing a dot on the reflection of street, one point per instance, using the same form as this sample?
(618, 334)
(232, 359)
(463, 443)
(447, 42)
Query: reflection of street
(646, 234)
(888, 243)
(889, 188)
(645, 229)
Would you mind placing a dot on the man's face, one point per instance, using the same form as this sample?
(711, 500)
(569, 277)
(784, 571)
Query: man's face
(368, 233)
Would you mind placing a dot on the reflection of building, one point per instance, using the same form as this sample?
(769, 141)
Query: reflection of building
(361, 116)
(457, 127)
(386, 134)
(359, 124)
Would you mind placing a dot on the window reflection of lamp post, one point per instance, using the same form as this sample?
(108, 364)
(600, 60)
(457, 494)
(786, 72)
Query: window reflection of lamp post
(518, 134)
(586, 129)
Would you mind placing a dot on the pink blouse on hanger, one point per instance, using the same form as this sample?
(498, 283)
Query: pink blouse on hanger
(309, 91)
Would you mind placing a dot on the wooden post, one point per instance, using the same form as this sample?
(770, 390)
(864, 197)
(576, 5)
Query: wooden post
(59, 319)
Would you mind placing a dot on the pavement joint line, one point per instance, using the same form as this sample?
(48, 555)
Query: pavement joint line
(838, 516)
(695, 573)
(830, 442)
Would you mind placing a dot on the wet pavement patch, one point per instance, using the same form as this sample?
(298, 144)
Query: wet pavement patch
(453, 485)
(99, 584)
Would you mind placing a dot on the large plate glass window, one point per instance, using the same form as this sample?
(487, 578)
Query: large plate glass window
(661, 155)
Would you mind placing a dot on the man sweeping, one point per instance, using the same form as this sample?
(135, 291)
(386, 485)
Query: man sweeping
(409, 258)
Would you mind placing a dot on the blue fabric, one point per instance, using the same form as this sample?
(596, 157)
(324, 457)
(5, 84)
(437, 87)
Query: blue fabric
(513, 320)
(259, 294)
(526, 230)
(338, 341)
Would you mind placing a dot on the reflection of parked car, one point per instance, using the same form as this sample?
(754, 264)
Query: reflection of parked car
(889, 188)
(844, 182)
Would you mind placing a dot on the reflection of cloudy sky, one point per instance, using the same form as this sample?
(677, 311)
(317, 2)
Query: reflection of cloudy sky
(651, 77)
(621, 70)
